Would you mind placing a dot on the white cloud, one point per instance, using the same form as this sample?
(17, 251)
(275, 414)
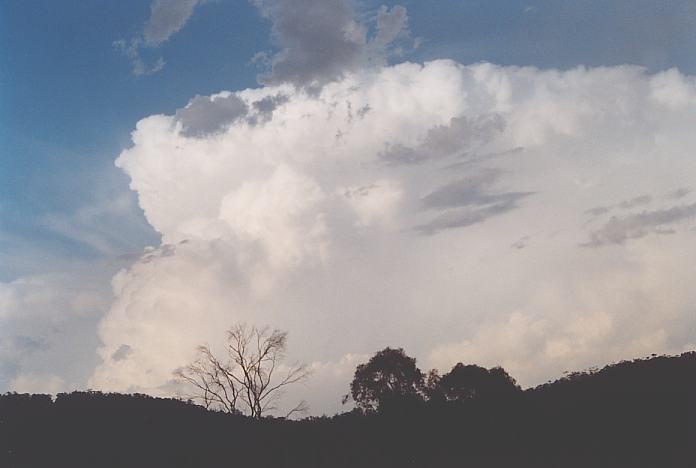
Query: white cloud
(298, 220)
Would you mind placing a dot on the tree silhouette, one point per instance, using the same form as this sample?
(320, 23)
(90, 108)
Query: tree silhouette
(252, 377)
(469, 382)
(390, 376)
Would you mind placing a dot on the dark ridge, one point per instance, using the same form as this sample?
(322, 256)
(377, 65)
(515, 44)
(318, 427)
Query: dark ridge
(640, 413)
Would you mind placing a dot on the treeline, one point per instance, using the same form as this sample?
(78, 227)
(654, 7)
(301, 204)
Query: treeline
(640, 413)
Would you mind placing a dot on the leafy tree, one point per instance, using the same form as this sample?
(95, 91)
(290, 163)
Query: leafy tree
(468, 382)
(390, 376)
(250, 379)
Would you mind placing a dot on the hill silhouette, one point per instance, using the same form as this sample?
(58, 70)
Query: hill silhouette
(639, 413)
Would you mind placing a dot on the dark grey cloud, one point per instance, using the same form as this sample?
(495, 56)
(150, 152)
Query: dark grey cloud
(320, 40)
(457, 139)
(620, 229)
(166, 18)
(468, 201)
(205, 115)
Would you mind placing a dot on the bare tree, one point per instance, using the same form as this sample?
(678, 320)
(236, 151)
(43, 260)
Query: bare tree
(252, 377)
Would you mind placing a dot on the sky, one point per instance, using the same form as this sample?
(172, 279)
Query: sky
(501, 183)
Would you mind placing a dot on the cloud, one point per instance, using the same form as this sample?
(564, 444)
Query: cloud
(321, 40)
(621, 229)
(598, 210)
(167, 17)
(278, 206)
(598, 312)
(462, 137)
(463, 217)
(47, 328)
(139, 67)
(679, 193)
(468, 201)
(521, 243)
(635, 202)
(206, 115)
(28, 383)
(267, 105)
(628, 204)
(122, 352)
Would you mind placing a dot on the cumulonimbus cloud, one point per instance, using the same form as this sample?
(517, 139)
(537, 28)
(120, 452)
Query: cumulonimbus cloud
(305, 210)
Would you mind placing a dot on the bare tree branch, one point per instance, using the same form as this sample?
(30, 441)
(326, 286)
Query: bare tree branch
(247, 381)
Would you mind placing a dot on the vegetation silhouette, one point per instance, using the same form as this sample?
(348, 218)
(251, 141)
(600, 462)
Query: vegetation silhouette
(390, 377)
(249, 380)
(639, 413)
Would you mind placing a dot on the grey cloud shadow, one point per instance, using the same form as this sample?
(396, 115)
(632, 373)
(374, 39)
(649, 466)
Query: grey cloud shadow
(635, 202)
(205, 115)
(265, 107)
(463, 217)
(618, 230)
(14, 349)
(521, 243)
(122, 353)
(679, 193)
(627, 204)
(474, 158)
(442, 141)
(468, 201)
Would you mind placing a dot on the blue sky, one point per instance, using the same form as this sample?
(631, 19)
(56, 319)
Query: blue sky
(71, 94)
(70, 101)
